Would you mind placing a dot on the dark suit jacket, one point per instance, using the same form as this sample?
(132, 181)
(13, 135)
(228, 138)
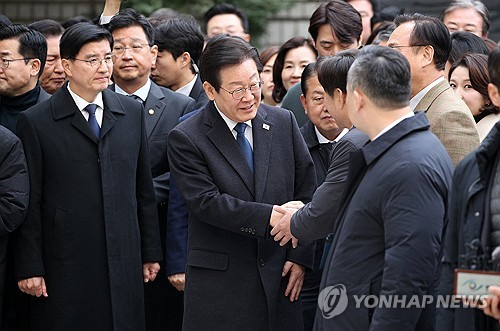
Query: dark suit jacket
(388, 240)
(230, 251)
(317, 219)
(198, 94)
(92, 219)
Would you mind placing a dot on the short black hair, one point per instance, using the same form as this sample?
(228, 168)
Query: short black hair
(308, 72)
(179, 35)
(49, 28)
(494, 67)
(80, 34)
(466, 42)
(127, 18)
(430, 31)
(332, 70)
(223, 51)
(343, 19)
(383, 74)
(279, 90)
(226, 8)
(32, 44)
(74, 20)
(4, 21)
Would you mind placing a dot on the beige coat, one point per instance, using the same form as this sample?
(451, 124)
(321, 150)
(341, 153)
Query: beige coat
(451, 121)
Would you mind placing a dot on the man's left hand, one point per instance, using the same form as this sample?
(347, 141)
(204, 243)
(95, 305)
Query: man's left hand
(150, 270)
(296, 280)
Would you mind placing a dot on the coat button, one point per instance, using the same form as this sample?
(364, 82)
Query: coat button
(261, 262)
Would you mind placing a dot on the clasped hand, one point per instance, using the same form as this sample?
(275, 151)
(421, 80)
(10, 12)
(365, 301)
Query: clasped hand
(280, 222)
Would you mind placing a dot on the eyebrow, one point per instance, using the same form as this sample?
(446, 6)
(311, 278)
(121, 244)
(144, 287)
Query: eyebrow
(131, 38)
(6, 53)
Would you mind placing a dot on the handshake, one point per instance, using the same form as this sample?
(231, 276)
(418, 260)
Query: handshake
(280, 222)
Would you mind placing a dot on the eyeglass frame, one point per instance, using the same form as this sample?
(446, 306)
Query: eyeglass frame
(2, 61)
(89, 62)
(243, 90)
(134, 48)
(403, 46)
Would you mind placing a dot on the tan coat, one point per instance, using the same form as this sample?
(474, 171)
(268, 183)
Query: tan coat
(451, 121)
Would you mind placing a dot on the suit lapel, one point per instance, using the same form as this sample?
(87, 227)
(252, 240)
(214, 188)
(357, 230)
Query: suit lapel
(262, 141)
(153, 108)
(110, 104)
(224, 141)
(69, 108)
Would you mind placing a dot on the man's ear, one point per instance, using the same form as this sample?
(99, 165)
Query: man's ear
(494, 94)
(427, 55)
(184, 59)
(209, 90)
(303, 101)
(67, 67)
(339, 98)
(154, 53)
(35, 67)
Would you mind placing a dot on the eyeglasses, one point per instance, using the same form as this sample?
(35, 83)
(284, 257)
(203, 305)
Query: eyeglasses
(136, 48)
(239, 93)
(96, 63)
(4, 63)
(402, 46)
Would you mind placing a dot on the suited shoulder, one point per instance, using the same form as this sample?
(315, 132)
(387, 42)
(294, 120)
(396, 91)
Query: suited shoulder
(448, 102)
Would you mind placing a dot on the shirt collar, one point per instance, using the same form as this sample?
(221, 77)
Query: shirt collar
(82, 103)
(229, 122)
(420, 95)
(323, 140)
(186, 89)
(141, 93)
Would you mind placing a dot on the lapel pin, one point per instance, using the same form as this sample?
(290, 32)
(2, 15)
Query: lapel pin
(265, 127)
(151, 112)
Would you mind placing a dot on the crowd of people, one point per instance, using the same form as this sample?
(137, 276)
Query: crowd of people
(161, 174)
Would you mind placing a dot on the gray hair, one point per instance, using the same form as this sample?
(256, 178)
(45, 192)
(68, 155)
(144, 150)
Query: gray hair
(383, 74)
(475, 4)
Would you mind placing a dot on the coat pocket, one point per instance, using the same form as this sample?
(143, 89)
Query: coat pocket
(207, 259)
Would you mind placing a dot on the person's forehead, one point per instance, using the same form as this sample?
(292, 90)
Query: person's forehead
(462, 16)
(131, 33)
(239, 73)
(9, 46)
(362, 6)
(401, 34)
(95, 48)
(224, 21)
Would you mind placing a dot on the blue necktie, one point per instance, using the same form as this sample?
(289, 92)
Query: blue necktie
(244, 143)
(94, 126)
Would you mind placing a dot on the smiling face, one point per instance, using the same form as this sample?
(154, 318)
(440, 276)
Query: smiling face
(461, 84)
(267, 78)
(316, 109)
(233, 77)
(295, 61)
(87, 81)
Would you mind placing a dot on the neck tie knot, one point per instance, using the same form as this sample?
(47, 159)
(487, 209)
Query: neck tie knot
(135, 97)
(91, 108)
(240, 128)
